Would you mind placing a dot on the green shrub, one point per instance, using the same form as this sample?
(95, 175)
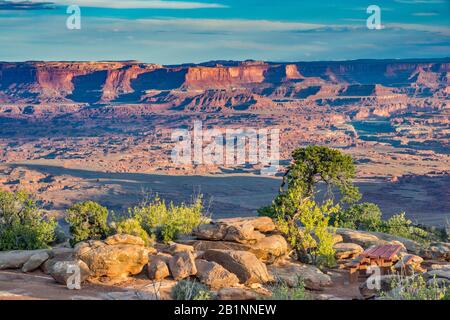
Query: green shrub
(281, 291)
(132, 227)
(399, 225)
(314, 242)
(167, 222)
(190, 290)
(364, 216)
(296, 204)
(416, 288)
(22, 224)
(88, 221)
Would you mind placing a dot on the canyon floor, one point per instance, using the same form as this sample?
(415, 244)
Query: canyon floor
(425, 199)
(73, 131)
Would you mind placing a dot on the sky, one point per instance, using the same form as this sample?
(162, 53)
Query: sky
(175, 32)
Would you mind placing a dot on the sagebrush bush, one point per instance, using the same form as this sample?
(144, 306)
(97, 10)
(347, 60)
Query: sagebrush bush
(400, 226)
(416, 288)
(22, 223)
(132, 227)
(368, 217)
(88, 221)
(167, 222)
(190, 290)
(282, 291)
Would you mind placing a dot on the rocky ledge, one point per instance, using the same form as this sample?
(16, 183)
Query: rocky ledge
(235, 258)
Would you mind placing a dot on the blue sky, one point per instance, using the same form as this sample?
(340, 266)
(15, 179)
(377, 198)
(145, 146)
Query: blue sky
(172, 32)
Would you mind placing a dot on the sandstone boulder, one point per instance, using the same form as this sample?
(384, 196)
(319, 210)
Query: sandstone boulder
(178, 247)
(203, 245)
(361, 238)
(157, 268)
(292, 272)
(235, 230)
(370, 289)
(266, 249)
(245, 265)
(270, 248)
(35, 261)
(16, 259)
(262, 224)
(124, 239)
(436, 251)
(126, 256)
(65, 271)
(409, 264)
(347, 250)
(182, 265)
(214, 275)
(438, 273)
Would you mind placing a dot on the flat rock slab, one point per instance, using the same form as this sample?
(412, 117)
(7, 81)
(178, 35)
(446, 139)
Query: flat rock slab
(347, 250)
(245, 265)
(16, 259)
(291, 273)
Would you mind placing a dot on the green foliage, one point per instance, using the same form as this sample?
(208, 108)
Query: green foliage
(364, 216)
(167, 222)
(368, 217)
(190, 290)
(281, 291)
(296, 206)
(314, 242)
(416, 288)
(315, 164)
(88, 221)
(132, 227)
(22, 223)
(400, 226)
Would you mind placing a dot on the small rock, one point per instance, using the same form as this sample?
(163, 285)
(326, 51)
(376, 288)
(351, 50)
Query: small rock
(292, 272)
(347, 250)
(157, 268)
(214, 275)
(64, 271)
(16, 259)
(409, 264)
(438, 273)
(182, 265)
(369, 289)
(35, 261)
(361, 238)
(177, 247)
(270, 248)
(235, 230)
(245, 265)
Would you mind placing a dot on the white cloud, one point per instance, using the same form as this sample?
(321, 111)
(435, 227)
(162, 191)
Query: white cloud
(420, 1)
(420, 27)
(140, 4)
(425, 14)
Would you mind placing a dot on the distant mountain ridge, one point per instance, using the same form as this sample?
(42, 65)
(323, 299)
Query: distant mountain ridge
(230, 83)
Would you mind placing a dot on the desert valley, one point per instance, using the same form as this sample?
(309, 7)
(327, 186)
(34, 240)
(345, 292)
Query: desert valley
(73, 131)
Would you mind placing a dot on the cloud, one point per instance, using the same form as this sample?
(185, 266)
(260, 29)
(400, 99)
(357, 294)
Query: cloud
(420, 1)
(421, 27)
(425, 14)
(25, 5)
(140, 4)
